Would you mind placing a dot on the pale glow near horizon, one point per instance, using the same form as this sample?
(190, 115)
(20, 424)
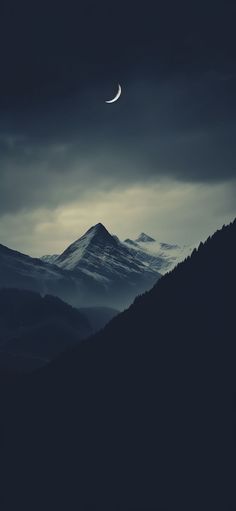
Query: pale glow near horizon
(169, 211)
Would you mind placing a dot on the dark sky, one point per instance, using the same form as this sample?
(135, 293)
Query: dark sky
(64, 153)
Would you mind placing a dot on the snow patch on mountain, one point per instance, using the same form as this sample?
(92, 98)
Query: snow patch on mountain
(117, 270)
(144, 238)
(103, 257)
(160, 255)
(49, 258)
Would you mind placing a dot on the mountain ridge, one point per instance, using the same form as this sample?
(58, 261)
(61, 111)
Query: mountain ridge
(97, 269)
(144, 238)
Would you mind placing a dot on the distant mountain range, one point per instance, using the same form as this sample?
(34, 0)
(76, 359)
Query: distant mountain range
(123, 269)
(140, 416)
(160, 256)
(85, 253)
(97, 269)
(21, 271)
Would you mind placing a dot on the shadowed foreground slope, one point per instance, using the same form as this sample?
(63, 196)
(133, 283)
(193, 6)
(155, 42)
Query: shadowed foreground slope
(141, 415)
(35, 329)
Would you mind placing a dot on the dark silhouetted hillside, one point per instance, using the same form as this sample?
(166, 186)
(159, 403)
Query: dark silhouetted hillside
(35, 329)
(141, 415)
(98, 317)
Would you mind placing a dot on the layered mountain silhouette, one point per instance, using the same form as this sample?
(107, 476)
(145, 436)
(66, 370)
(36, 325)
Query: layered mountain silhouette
(101, 255)
(36, 329)
(139, 416)
(121, 272)
(144, 238)
(159, 255)
(21, 271)
(96, 270)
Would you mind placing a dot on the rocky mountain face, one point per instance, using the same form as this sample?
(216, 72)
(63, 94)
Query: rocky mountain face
(123, 267)
(144, 238)
(162, 256)
(117, 271)
(96, 270)
(102, 255)
(49, 258)
(18, 270)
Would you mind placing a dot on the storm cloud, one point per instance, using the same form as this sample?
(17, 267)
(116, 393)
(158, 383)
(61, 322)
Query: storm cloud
(174, 125)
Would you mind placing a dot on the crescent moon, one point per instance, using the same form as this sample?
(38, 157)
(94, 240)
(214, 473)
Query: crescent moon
(116, 96)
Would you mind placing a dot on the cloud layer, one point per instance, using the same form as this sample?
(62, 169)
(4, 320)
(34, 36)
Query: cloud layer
(62, 149)
(170, 211)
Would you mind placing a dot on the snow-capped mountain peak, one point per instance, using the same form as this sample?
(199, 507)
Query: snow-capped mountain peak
(118, 270)
(97, 269)
(144, 238)
(159, 255)
(93, 243)
(110, 263)
(97, 229)
(102, 256)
